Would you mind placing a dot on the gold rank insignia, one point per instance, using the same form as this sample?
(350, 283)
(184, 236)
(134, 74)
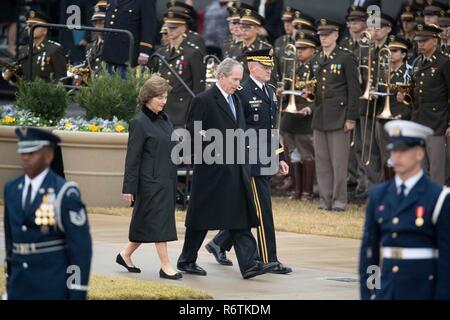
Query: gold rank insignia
(396, 132)
(420, 27)
(323, 22)
(392, 38)
(32, 14)
(170, 14)
(45, 214)
(248, 12)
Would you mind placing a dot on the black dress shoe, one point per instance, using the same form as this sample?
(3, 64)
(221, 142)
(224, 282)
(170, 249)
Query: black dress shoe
(339, 209)
(164, 275)
(192, 268)
(122, 262)
(258, 269)
(219, 253)
(280, 269)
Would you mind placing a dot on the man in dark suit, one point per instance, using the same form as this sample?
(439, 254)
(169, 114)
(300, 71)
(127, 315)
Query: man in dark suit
(138, 17)
(221, 196)
(260, 110)
(272, 11)
(407, 227)
(47, 239)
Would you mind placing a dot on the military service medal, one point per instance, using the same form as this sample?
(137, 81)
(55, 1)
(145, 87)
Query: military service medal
(45, 214)
(420, 211)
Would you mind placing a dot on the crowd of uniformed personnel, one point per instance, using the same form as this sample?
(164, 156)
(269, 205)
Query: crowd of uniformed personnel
(334, 92)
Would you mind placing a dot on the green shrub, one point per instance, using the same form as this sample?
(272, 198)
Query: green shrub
(108, 96)
(45, 100)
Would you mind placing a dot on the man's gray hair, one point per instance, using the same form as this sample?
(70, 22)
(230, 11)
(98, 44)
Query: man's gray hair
(226, 67)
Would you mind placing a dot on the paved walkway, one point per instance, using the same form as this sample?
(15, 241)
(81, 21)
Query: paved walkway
(324, 267)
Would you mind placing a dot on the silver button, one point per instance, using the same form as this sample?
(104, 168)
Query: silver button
(25, 265)
(24, 228)
(431, 277)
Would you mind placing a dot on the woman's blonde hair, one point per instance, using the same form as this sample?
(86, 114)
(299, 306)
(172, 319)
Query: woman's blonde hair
(154, 87)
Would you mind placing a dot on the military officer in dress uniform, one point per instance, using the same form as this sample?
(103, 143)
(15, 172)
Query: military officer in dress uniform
(431, 78)
(250, 22)
(296, 124)
(233, 40)
(432, 11)
(356, 23)
(370, 109)
(138, 17)
(95, 47)
(187, 61)
(48, 57)
(192, 37)
(407, 31)
(48, 243)
(260, 110)
(288, 38)
(335, 110)
(407, 226)
(400, 74)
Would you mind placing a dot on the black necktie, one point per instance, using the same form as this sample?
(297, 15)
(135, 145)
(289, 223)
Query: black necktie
(27, 203)
(401, 195)
(264, 89)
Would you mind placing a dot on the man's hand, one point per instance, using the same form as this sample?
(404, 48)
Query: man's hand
(447, 132)
(128, 197)
(8, 74)
(306, 111)
(142, 59)
(283, 168)
(349, 125)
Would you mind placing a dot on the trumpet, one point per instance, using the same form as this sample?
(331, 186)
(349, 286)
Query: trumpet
(404, 88)
(366, 42)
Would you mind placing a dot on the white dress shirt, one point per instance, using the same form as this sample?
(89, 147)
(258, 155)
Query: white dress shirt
(225, 95)
(36, 183)
(409, 183)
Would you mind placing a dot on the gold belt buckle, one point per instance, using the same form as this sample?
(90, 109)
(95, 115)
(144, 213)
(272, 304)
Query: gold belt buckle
(397, 253)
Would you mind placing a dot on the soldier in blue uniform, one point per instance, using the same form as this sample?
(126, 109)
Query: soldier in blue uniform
(407, 227)
(260, 110)
(48, 244)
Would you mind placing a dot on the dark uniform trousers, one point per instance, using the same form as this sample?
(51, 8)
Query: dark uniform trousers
(259, 115)
(431, 108)
(243, 241)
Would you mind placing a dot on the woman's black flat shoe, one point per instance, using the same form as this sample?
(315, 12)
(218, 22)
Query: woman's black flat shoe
(164, 275)
(122, 262)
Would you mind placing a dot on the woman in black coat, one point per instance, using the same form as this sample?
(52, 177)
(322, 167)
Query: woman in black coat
(150, 178)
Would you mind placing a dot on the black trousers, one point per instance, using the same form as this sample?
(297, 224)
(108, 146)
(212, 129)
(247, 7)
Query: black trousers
(243, 241)
(266, 231)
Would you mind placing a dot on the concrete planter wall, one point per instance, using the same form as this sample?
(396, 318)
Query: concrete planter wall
(96, 161)
(9, 159)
